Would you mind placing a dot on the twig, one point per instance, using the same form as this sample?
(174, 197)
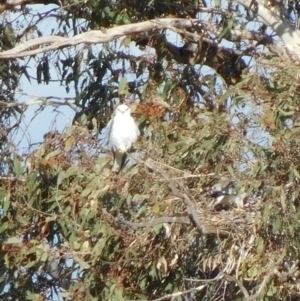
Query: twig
(11, 178)
(177, 294)
(176, 192)
(182, 195)
(43, 101)
(266, 280)
(157, 221)
(229, 278)
(36, 210)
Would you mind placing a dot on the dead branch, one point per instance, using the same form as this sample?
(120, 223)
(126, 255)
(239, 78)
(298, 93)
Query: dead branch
(190, 207)
(182, 194)
(177, 294)
(273, 271)
(157, 221)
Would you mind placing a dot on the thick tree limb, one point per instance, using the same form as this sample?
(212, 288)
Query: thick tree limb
(44, 44)
(51, 43)
(271, 17)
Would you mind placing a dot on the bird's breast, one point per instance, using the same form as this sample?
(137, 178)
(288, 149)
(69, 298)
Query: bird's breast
(123, 133)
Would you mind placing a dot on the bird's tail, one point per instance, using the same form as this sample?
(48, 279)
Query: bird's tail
(119, 160)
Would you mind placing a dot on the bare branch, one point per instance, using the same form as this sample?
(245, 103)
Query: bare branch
(37, 45)
(180, 193)
(229, 278)
(177, 294)
(157, 221)
(43, 101)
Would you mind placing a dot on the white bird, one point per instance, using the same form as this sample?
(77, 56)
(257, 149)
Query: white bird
(223, 193)
(122, 134)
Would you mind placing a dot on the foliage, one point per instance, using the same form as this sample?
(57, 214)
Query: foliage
(71, 228)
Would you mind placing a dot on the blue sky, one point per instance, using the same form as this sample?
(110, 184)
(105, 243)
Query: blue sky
(36, 123)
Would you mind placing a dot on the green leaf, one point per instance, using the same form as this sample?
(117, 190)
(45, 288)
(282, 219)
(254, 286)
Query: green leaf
(13, 240)
(123, 86)
(266, 213)
(83, 265)
(169, 287)
(44, 257)
(53, 154)
(228, 25)
(260, 247)
(108, 12)
(169, 85)
(296, 173)
(126, 42)
(30, 264)
(278, 224)
(25, 72)
(23, 220)
(230, 169)
(283, 200)
(60, 177)
(126, 19)
(156, 208)
(271, 289)
(3, 227)
(2, 194)
(10, 34)
(87, 191)
(6, 205)
(18, 170)
(31, 296)
(142, 283)
(119, 18)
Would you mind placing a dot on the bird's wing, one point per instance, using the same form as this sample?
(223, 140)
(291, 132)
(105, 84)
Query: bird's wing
(122, 134)
(218, 193)
(109, 129)
(223, 187)
(137, 130)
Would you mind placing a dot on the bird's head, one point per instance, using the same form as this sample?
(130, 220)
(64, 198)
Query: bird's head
(123, 110)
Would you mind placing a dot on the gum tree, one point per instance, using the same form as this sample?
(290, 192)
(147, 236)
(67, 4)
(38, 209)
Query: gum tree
(214, 88)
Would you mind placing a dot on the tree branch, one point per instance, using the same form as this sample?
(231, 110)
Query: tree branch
(157, 221)
(43, 101)
(50, 43)
(271, 17)
(194, 216)
(177, 294)
(35, 46)
(9, 4)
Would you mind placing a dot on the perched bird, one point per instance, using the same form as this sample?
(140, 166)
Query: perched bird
(224, 194)
(122, 134)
